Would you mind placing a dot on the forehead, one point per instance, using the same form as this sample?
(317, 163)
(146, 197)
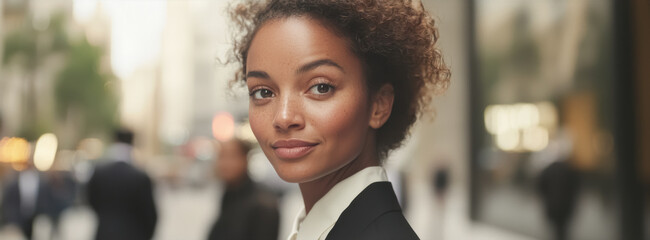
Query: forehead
(296, 40)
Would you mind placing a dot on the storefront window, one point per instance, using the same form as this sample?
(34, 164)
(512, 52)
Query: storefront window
(545, 162)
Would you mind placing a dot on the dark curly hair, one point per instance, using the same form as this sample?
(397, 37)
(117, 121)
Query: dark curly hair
(395, 39)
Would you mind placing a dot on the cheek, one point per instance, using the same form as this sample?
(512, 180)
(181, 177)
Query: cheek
(343, 122)
(259, 117)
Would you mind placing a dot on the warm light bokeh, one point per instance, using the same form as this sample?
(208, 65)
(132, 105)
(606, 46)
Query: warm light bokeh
(223, 126)
(14, 150)
(45, 151)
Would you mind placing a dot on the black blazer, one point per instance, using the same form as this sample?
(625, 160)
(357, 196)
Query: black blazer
(374, 214)
(122, 197)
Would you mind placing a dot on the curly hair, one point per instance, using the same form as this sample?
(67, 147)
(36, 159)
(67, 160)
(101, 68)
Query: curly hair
(394, 39)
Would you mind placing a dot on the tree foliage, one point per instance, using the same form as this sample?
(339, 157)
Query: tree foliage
(83, 88)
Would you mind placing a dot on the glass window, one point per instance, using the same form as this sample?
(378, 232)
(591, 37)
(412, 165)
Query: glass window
(544, 161)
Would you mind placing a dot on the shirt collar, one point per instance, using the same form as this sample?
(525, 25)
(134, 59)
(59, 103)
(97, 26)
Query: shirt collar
(327, 210)
(119, 152)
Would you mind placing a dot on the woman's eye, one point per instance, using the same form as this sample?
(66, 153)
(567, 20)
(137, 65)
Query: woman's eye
(261, 93)
(320, 89)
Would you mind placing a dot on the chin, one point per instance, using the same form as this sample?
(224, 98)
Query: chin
(296, 172)
(293, 175)
(292, 171)
(291, 178)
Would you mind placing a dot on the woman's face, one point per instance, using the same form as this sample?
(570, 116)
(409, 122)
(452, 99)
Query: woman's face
(309, 105)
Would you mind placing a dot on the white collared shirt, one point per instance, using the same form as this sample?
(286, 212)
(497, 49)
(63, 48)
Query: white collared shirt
(324, 214)
(28, 181)
(119, 152)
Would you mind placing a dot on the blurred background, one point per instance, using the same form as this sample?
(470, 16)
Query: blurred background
(542, 130)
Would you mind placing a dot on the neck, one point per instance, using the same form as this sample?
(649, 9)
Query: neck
(314, 190)
(119, 152)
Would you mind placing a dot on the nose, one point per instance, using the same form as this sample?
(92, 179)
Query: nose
(289, 116)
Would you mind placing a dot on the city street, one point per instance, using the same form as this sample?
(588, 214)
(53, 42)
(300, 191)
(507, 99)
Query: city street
(184, 213)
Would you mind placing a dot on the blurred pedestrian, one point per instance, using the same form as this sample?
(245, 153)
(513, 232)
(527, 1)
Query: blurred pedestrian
(122, 195)
(441, 181)
(62, 192)
(248, 211)
(24, 198)
(559, 186)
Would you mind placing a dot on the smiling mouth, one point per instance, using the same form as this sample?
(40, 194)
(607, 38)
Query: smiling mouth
(292, 149)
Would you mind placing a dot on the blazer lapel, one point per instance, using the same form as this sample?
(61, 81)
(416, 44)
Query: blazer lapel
(375, 200)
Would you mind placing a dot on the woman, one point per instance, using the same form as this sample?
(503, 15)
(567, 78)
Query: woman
(334, 86)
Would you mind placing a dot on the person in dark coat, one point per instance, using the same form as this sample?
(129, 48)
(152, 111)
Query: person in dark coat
(24, 199)
(122, 195)
(62, 189)
(248, 211)
(558, 186)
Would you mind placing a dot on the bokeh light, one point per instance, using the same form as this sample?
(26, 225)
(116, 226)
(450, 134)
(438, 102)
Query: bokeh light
(14, 150)
(45, 151)
(521, 127)
(223, 126)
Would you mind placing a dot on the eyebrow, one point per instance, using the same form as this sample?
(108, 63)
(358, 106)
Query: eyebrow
(305, 68)
(318, 63)
(257, 74)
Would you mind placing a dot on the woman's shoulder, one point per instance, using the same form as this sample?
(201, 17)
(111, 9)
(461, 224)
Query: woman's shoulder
(389, 226)
(373, 214)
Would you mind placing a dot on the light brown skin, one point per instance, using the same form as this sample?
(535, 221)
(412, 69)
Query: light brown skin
(231, 164)
(295, 95)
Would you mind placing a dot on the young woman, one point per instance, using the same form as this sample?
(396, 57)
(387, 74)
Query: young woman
(334, 86)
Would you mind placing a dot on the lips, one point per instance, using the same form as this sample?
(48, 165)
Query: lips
(292, 148)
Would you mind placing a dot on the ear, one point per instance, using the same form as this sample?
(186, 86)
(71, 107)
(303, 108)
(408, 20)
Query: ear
(382, 106)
